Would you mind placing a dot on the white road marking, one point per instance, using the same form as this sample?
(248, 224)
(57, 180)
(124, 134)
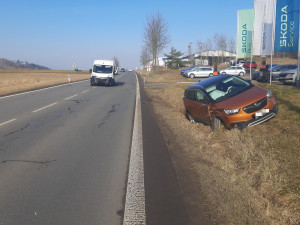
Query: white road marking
(85, 91)
(71, 97)
(135, 213)
(9, 121)
(45, 107)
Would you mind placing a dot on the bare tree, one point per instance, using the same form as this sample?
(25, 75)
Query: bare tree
(220, 41)
(156, 36)
(117, 63)
(191, 55)
(145, 56)
(231, 46)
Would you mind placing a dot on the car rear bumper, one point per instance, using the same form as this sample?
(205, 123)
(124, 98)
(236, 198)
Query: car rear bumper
(256, 121)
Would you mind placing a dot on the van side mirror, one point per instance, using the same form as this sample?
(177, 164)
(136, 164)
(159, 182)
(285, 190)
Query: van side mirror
(90, 70)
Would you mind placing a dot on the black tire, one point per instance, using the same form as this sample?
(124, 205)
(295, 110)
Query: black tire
(223, 72)
(216, 124)
(241, 74)
(192, 75)
(190, 117)
(92, 83)
(210, 75)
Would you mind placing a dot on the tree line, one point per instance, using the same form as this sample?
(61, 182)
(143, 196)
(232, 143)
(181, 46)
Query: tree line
(156, 38)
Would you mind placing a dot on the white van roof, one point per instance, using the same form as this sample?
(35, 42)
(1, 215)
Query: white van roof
(103, 62)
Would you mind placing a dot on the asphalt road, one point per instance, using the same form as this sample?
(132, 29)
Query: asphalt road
(64, 154)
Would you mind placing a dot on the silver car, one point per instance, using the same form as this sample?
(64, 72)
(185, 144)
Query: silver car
(288, 76)
(276, 70)
(200, 72)
(234, 70)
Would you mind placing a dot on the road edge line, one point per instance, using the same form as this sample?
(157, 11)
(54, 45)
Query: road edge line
(135, 213)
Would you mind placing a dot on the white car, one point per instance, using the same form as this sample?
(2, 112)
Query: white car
(234, 70)
(200, 72)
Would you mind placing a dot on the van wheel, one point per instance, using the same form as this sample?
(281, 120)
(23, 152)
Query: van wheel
(192, 75)
(216, 124)
(190, 117)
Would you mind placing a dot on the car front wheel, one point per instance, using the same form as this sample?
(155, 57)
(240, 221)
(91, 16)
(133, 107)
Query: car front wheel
(241, 74)
(216, 124)
(190, 117)
(223, 72)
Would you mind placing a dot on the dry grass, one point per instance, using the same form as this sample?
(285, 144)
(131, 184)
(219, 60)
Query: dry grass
(245, 177)
(13, 81)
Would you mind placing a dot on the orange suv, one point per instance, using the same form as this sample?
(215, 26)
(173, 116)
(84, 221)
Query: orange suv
(228, 100)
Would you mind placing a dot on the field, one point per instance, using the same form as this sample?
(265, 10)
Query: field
(249, 176)
(14, 81)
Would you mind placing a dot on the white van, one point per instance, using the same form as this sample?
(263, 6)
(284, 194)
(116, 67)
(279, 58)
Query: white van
(103, 72)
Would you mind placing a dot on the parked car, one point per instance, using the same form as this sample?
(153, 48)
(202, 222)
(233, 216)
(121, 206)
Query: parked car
(268, 66)
(189, 70)
(276, 70)
(182, 71)
(248, 64)
(230, 101)
(288, 76)
(200, 72)
(257, 76)
(234, 70)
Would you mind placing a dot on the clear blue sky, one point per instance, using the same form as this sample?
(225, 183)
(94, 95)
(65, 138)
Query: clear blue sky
(58, 33)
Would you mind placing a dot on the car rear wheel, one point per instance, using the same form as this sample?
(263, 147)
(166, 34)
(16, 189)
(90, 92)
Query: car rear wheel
(190, 117)
(192, 75)
(223, 72)
(241, 74)
(216, 124)
(210, 75)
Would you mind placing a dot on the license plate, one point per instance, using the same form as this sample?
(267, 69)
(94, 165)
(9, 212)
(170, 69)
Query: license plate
(262, 113)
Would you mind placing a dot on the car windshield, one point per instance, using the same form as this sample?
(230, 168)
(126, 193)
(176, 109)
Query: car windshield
(227, 88)
(102, 69)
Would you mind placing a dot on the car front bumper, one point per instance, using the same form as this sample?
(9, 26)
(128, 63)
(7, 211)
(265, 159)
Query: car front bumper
(256, 121)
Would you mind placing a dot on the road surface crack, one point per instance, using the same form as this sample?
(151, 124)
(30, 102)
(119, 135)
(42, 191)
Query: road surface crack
(28, 161)
(108, 114)
(23, 128)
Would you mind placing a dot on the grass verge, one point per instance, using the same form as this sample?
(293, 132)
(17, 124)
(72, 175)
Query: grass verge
(14, 81)
(242, 177)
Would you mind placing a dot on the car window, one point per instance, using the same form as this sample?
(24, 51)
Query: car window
(191, 95)
(199, 96)
(292, 67)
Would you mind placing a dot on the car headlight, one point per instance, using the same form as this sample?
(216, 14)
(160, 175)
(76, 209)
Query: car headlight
(230, 112)
(269, 94)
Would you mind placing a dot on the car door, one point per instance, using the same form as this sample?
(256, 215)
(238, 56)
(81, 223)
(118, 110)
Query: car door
(199, 72)
(200, 107)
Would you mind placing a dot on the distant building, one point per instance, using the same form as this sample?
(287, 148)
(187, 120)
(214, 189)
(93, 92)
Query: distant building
(207, 58)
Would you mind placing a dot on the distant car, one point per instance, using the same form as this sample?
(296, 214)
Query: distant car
(189, 70)
(200, 72)
(182, 71)
(276, 70)
(130, 70)
(257, 76)
(234, 70)
(269, 66)
(228, 100)
(122, 70)
(288, 76)
(248, 64)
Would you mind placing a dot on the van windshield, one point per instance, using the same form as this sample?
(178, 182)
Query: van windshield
(102, 69)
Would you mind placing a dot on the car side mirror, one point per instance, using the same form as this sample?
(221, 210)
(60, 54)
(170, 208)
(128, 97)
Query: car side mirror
(90, 70)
